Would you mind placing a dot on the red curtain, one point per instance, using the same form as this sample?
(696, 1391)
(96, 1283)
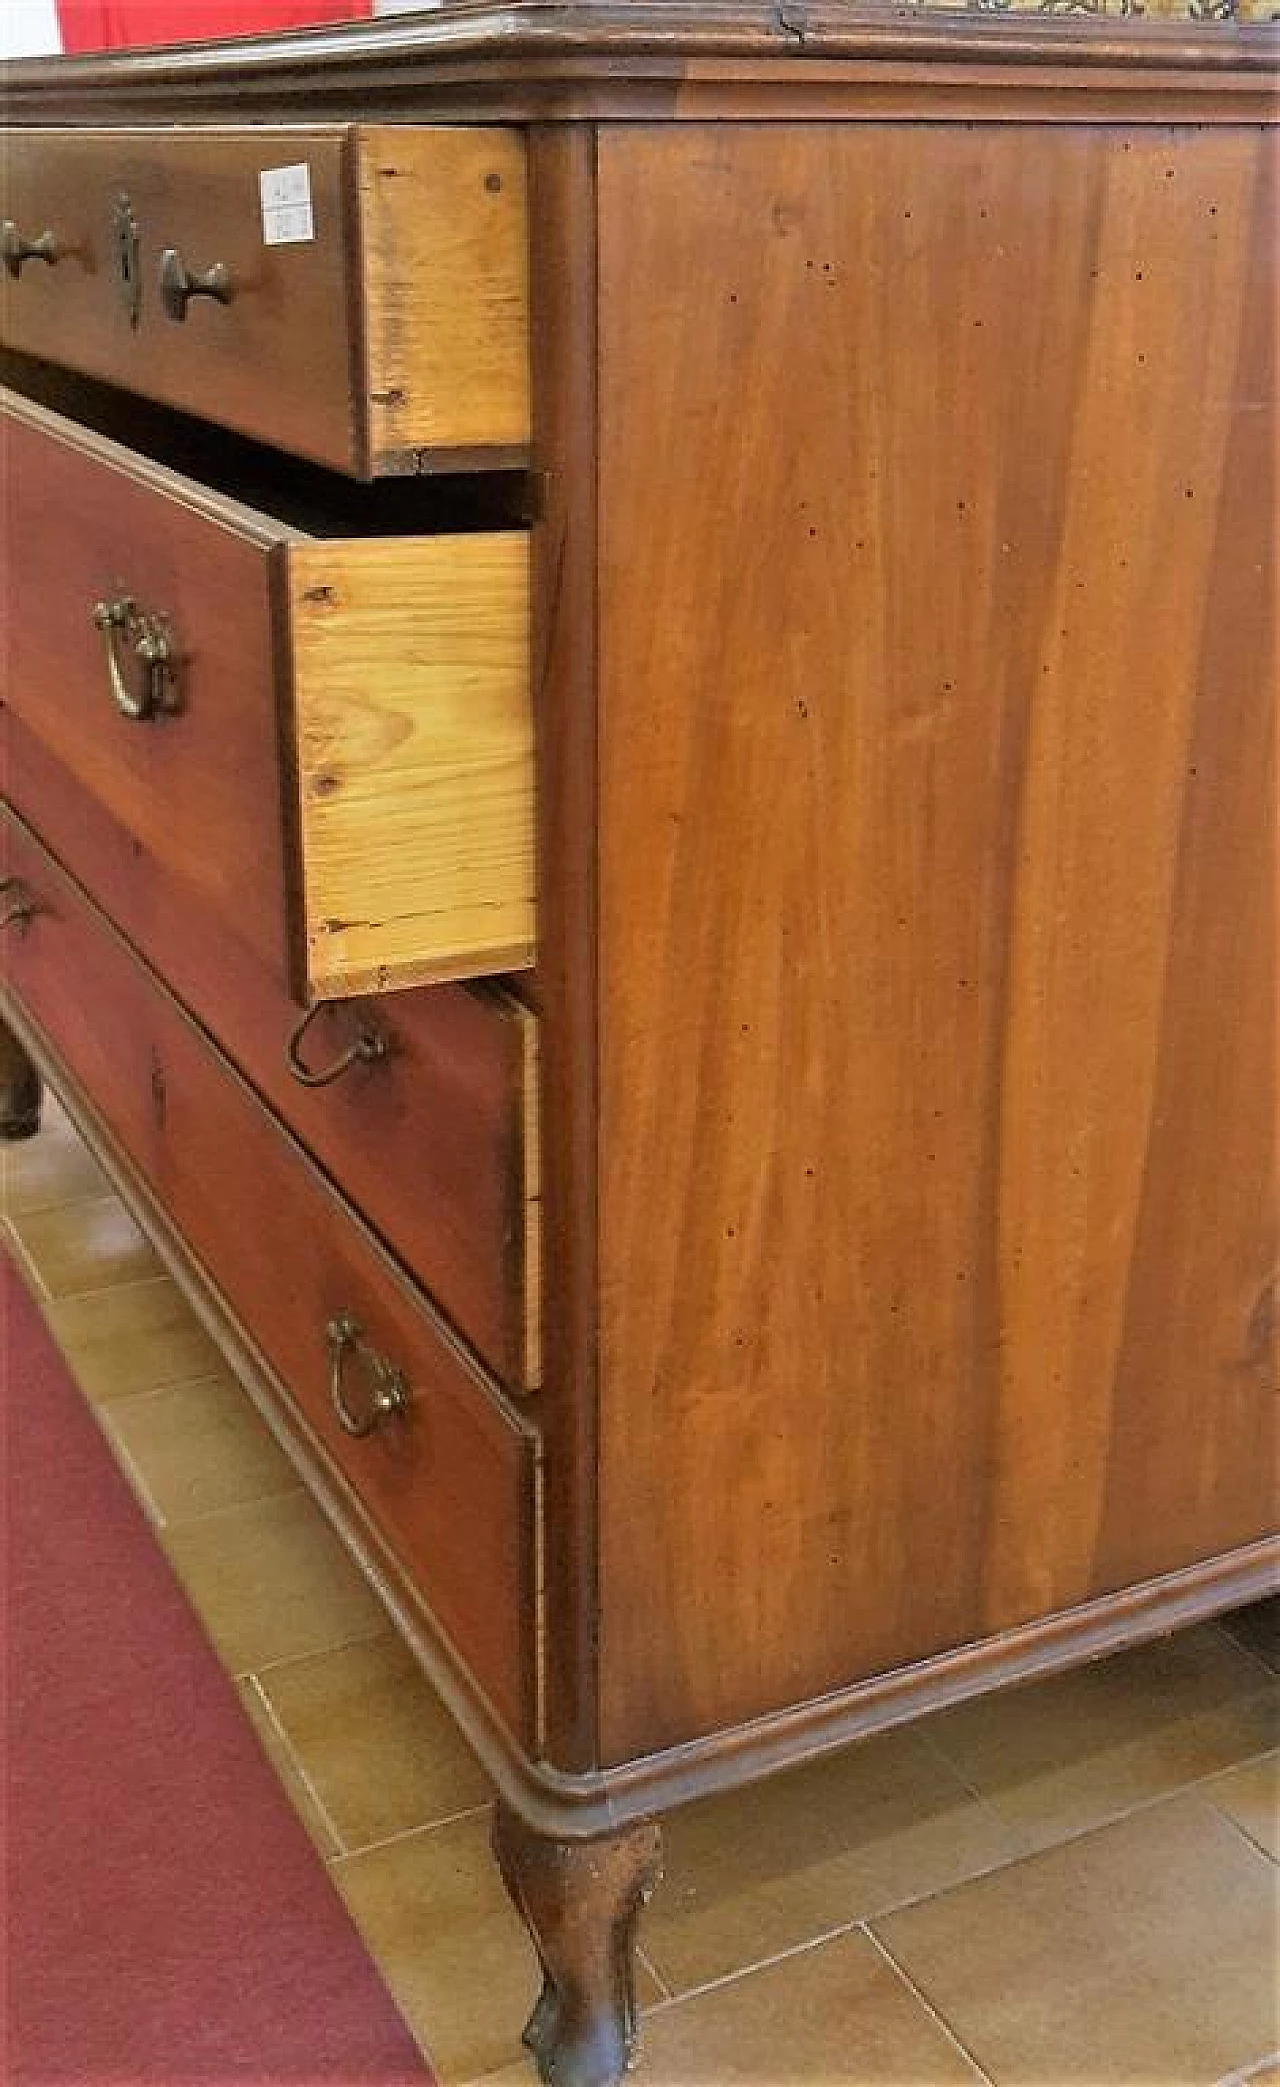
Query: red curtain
(103, 25)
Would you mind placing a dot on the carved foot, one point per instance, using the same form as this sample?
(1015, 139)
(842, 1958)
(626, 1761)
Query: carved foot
(19, 1090)
(580, 1901)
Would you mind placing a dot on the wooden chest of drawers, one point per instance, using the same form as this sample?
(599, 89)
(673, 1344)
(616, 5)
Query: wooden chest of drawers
(684, 804)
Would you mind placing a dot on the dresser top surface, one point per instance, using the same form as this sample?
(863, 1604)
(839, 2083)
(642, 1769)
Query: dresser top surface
(575, 58)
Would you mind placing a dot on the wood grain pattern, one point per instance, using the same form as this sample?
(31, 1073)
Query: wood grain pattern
(406, 796)
(414, 747)
(276, 362)
(931, 475)
(387, 348)
(453, 1484)
(598, 1802)
(200, 792)
(938, 852)
(562, 197)
(445, 274)
(535, 60)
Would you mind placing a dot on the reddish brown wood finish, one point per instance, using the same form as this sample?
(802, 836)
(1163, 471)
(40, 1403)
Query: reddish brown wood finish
(431, 1143)
(562, 212)
(317, 345)
(533, 60)
(937, 901)
(368, 700)
(453, 1485)
(276, 362)
(581, 1902)
(707, 561)
(200, 792)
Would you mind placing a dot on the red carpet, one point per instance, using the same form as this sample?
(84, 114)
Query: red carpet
(167, 1918)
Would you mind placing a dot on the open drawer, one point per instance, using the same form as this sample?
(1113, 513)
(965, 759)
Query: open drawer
(326, 742)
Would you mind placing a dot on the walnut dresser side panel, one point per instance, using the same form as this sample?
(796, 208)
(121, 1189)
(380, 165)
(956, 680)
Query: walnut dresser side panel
(937, 934)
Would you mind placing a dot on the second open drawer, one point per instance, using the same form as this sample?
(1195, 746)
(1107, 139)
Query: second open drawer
(326, 742)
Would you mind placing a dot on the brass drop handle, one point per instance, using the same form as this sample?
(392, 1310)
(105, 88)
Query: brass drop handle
(370, 1045)
(15, 251)
(153, 650)
(386, 1387)
(21, 905)
(178, 285)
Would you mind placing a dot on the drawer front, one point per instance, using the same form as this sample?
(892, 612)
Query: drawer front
(436, 1143)
(451, 1483)
(339, 771)
(364, 297)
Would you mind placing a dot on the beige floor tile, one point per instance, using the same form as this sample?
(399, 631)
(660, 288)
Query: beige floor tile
(1258, 1628)
(286, 1768)
(199, 1447)
(765, 1869)
(131, 1339)
(1143, 1952)
(12, 1247)
(271, 1581)
(435, 1916)
(375, 1740)
(1251, 1796)
(43, 1172)
(836, 2013)
(1066, 1754)
(81, 1247)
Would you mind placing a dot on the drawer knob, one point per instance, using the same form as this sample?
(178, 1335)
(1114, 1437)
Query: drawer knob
(178, 285)
(16, 251)
(152, 649)
(20, 905)
(370, 1044)
(386, 1388)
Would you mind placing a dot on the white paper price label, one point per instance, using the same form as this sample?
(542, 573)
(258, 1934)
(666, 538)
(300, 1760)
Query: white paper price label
(286, 205)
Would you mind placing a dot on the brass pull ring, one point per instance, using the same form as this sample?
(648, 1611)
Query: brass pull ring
(370, 1045)
(15, 251)
(152, 648)
(20, 908)
(388, 1389)
(178, 285)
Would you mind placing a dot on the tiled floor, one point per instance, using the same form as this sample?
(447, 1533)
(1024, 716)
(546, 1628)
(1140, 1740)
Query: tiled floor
(1074, 1883)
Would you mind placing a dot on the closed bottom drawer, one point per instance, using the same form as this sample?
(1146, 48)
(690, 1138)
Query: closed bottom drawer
(450, 1475)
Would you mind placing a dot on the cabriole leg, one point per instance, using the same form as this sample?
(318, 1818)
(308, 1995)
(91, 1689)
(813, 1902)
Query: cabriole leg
(19, 1089)
(580, 1901)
